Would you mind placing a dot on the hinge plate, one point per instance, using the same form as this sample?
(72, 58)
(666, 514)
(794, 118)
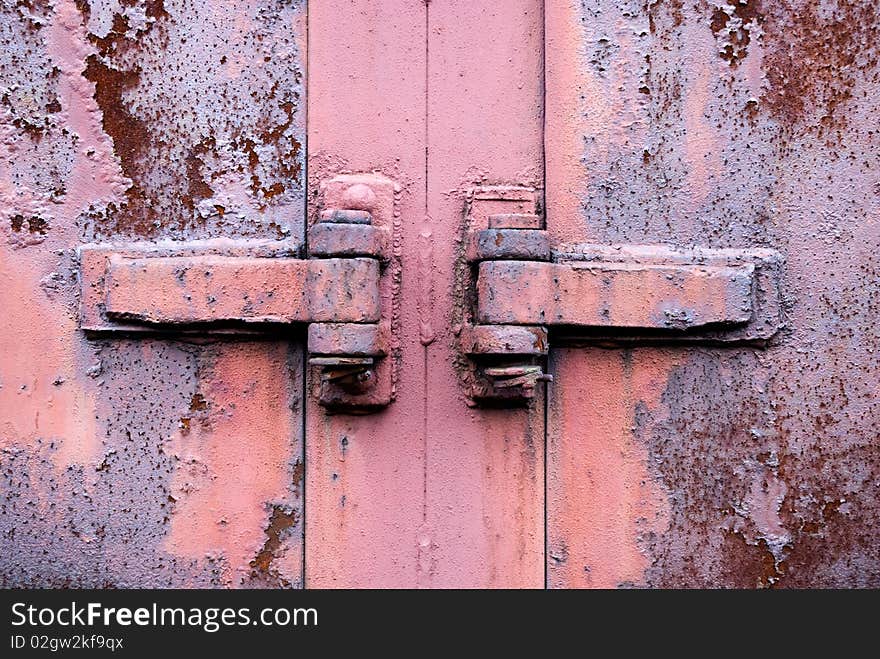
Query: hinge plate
(525, 293)
(344, 289)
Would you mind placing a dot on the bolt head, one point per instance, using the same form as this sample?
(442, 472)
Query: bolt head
(359, 197)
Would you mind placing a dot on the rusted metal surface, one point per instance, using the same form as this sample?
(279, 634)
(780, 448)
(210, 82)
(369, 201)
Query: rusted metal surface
(720, 124)
(749, 458)
(339, 239)
(357, 217)
(616, 295)
(349, 339)
(132, 462)
(504, 339)
(204, 289)
(515, 221)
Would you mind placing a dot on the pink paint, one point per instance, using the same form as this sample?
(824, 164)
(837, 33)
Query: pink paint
(233, 456)
(96, 176)
(702, 146)
(365, 475)
(34, 360)
(602, 499)
(570, 85)
(484, 480)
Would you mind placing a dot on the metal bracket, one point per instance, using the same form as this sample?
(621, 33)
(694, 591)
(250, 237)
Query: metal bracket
(341, 291)
(524, 292)
(505, 362)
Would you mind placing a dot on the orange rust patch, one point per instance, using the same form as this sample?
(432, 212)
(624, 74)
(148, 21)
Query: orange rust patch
(229, 468)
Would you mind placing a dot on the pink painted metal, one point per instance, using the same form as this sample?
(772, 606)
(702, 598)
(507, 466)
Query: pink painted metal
(484, 482)
(365, 474)
(725, 125)
(670, 208)
(615, 295)
(201, 289)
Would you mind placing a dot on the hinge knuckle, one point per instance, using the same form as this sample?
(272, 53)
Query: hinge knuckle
(353, 368)
(507, 359)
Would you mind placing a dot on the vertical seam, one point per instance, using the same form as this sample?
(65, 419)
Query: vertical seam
(305, 352)
(545, 193)
(425, 347)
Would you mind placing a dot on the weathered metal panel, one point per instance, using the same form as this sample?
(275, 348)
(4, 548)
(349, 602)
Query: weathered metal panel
(365, 475)
(148, 461)
(720, 124)
(485, 478)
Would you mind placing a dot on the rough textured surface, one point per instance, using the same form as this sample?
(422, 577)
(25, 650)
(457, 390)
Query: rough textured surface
(722, 124)
(148, 462)
(201, 289)
(365, 475)
(613, 295)
(505, 243)
(345, 240)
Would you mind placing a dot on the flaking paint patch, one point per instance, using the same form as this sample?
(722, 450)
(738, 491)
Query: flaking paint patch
(733, 486)
(231, 157)
(234, 463)
(770, 457)
(42, 392)
(100, 523)
(87, 487)
(605, 506)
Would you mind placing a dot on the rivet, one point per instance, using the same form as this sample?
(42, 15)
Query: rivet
(359, 197)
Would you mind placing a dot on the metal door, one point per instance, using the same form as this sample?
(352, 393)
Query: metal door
(158, 459)
(283, 286)
(721, 124)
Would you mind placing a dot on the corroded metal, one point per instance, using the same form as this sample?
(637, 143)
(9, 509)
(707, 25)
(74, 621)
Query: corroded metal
(199, 288)
(235, 289)
(739, 456)
(726, 124)
(636, 287)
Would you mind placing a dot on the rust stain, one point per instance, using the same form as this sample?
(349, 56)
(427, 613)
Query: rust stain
(198, 403)
(234, 140)
(130, 135)
(732, 25)
(120, 120)
(238, 458)
(34, 224)
(759, 130)
(818, 56)
(280, 521)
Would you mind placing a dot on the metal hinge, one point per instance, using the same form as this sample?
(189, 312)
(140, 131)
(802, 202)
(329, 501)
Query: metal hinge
(526, 294)
(342, 288)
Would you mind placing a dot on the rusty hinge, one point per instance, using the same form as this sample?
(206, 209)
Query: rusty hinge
(342, 289)
(523, 290)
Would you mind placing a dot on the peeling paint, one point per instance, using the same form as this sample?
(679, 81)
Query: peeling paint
(234, 462)
(756, 127)
(157, 119)
(230, 157)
